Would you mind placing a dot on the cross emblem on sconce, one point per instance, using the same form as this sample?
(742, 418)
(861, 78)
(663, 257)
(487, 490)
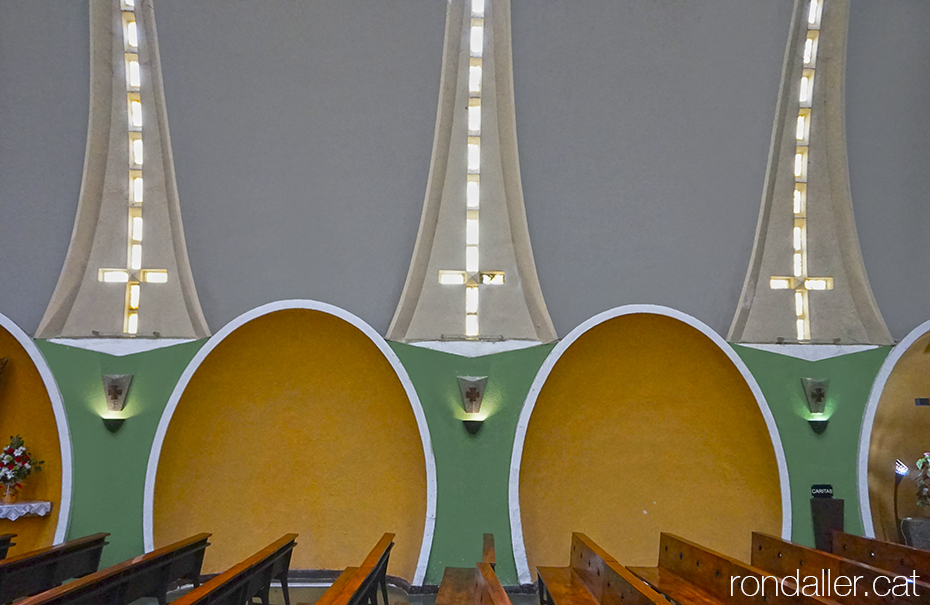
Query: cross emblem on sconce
(472, 390)
(815, 391)
(472, 395)
(115, 387)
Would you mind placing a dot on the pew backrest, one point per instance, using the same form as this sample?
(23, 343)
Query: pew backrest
(722, 576)
(785, 559)
(39, 570)
(241, 582)
(488, 554)
(589, 561)
(6, 541)
(363, 586)
(488, 589)
(895, 558)
(148, 575)
(336, 587)
(606, 579)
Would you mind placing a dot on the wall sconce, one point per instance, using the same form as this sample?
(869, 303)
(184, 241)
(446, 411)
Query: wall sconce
(113, 424)
(900, 472)
(815, 392)
(472, 390)
(115, 388)
(818, 424)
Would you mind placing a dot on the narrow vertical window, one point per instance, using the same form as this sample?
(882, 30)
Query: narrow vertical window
(477, 38)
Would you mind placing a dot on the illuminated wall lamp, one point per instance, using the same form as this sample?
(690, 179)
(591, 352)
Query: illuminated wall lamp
(472, 390)
(815, 392)
(115, 388)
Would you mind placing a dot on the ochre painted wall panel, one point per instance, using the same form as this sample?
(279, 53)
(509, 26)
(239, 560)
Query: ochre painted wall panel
(645, 425)
(296, 422)
(26, 409)
(901, 430)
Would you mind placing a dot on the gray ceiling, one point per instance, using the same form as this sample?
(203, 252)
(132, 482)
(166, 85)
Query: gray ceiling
(302, 134)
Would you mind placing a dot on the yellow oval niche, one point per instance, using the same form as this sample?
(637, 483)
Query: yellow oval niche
(27, 411)
(295, 422)
(901, 430)
(644, 425)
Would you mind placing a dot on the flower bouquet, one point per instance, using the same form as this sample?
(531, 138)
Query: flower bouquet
(15, 465)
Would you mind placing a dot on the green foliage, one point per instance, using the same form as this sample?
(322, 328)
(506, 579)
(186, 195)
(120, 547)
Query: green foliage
(923, 481)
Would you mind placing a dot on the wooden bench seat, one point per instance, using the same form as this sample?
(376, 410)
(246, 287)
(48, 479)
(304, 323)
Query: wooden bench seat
(893, 558)
(689, 573)
(40, 570)
(457, 586)
(592, 577)
(148, 575)
(6, 541)
(358, 585)
(675, 588)
(782, 558)
(477, 585)
(458, 583)
(562, 586)
(249, 579)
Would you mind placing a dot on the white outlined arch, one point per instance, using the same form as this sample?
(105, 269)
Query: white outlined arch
(61, 421)
(312, 305)
(868, 421)
(516, 523)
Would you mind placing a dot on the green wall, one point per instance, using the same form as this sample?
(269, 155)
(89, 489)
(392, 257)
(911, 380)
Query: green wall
(832, 456)
(109, 468)
(472, 470)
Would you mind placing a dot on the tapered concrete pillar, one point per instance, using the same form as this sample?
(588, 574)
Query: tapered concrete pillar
(806, 281)
(473, 276)
(127, 272)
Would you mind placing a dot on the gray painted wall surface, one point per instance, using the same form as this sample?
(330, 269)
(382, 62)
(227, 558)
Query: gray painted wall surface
(888, 135)
(302, 135)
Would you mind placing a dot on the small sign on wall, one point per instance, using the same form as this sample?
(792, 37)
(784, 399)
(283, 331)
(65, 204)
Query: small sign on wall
(922, 401)
(821, 491)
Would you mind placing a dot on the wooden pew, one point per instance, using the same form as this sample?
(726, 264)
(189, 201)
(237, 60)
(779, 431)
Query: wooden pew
(784, 559)
(487, 552)
(690, 573)
(458, 583)
(147, 575)
(488, 589)
(893, 558)
(6, 541)
(358, 585)
(593, 577)
(249, 579)
(33, 572)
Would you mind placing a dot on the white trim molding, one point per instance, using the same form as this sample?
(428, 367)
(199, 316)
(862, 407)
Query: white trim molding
(120, 347)
(61, 421)
(810, 352)
(312, 305)
(868, 421)
(516, 524)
